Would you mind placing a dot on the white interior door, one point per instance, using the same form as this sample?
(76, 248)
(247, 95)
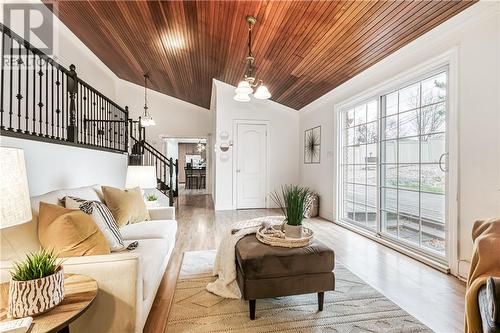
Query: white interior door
(251, 166)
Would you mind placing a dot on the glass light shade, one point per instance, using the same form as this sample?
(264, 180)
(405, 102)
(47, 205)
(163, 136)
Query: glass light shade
(15, 207)
(242, 98)
(143, 176)
(243, 88)
(262, 93)
(147, 121)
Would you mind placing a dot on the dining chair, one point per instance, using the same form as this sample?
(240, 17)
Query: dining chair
(191, 177)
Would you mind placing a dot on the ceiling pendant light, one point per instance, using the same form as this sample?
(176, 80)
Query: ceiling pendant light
(146, 118)
(262, 93)
(242, 97)
(200, 147)
(246, 86)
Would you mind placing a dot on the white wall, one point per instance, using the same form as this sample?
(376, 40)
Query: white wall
(476, 34)
(54, 166)
(174, 117)
(283, 136)
(172, 148)
(68, 49)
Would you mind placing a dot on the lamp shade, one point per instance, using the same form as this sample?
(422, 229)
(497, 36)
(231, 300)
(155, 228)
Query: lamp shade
(241, 98)
(147, 121)
(262, 93)
(15, 207)
(243, 88)
(143, 176)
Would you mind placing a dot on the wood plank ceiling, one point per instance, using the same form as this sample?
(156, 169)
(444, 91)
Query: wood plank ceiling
(303, 49)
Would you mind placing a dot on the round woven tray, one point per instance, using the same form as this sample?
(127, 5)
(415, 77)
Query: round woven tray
(277, 238)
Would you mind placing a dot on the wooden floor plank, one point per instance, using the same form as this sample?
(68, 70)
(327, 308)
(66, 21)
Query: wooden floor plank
(434, 298)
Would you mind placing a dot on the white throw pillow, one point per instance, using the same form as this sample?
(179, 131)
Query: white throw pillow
(102, 218)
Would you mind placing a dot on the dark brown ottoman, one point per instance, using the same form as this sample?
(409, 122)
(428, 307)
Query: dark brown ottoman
(265, 271)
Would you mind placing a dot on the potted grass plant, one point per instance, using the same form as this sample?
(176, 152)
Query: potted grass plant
(292, 202)
(36, 286)
(151, 200)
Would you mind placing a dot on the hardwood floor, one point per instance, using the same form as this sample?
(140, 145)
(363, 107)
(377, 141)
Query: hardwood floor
(434, 298)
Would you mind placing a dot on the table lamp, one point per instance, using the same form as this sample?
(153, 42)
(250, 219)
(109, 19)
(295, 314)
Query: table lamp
(143, 176)
(15, 207)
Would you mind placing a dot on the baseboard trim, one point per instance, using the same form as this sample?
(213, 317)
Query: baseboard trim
(463, 270)
(224, 207)
(429, 262)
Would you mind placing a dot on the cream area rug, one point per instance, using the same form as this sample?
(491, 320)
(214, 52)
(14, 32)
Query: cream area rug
(353, 307)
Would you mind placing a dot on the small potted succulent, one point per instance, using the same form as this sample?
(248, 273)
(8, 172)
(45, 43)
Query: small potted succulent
(36, 286)
(151, 200)
(292, 201)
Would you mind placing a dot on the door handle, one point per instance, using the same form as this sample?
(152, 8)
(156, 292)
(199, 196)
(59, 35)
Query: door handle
(238, 170)
(445, 169)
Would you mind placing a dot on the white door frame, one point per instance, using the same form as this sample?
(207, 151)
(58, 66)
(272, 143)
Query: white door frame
(237, 122)
(209, 183)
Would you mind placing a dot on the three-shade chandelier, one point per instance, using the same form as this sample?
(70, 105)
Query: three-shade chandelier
(250, 82)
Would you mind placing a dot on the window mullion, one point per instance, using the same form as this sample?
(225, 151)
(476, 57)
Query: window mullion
(380, 177)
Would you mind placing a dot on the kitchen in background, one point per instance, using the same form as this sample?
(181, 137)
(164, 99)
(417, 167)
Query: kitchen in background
(192, 156)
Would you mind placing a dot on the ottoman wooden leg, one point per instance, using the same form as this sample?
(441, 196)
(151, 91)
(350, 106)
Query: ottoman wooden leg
(251, 303)
(321, 298)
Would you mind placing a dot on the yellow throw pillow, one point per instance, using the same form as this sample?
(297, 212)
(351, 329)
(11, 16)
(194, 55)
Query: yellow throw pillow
(127, 206)
(69, 233)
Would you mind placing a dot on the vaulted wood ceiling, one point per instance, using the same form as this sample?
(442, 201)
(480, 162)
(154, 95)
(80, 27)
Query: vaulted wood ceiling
(303, 49)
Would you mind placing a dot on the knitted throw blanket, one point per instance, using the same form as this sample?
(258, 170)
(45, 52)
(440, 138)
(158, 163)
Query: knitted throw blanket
(225, 260)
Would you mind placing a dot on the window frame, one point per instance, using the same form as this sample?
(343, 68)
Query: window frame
(419, 248)
(446, 62)
(353, 105)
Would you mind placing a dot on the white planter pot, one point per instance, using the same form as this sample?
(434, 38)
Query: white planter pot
(293, 231)
(152, 204)
(33, 297)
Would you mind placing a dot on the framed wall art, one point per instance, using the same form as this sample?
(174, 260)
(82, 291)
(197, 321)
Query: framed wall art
(312, 145)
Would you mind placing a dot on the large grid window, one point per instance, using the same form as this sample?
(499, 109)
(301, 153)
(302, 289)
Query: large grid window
(360, 125)
(413, 134)
(393, 152)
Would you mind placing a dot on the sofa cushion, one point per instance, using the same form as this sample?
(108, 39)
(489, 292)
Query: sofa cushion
(258, 260)
(152, 253)
(69, 233)
(127, 206)
(24, 237)
(102, 218)
(165, 229)
(86, 192)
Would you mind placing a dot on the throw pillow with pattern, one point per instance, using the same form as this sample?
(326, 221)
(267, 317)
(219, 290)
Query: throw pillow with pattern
(102, 218)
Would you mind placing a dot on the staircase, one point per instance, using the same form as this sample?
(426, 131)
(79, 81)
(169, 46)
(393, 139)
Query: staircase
(142, 153)
(44, 101)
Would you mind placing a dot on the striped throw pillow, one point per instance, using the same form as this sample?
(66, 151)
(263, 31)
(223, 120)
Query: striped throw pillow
(102, 218)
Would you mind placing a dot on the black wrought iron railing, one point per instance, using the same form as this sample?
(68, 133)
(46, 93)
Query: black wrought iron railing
(142, 153)
(43, 99)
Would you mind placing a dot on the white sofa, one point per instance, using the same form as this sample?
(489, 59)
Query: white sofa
(128, 280)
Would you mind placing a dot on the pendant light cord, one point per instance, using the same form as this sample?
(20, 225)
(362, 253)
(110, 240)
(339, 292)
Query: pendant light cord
(250, 40)
(250, 54)
(145, 94)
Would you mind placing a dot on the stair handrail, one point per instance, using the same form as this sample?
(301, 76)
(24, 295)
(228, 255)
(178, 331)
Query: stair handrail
(147, 145)
(172, 166)
(150, 147)
(39, 53)
(73, 111)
